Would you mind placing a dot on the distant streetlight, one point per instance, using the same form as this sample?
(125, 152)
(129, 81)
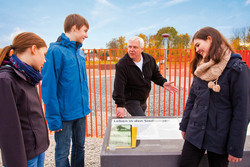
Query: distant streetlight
(165, 40)
(165, 43)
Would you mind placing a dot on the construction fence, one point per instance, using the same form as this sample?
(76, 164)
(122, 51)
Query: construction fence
(174, 66)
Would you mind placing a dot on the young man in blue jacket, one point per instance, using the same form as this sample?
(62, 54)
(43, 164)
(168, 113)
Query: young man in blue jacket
(65, 91)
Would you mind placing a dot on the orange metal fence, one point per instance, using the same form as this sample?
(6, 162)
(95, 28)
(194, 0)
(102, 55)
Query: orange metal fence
(173, 64)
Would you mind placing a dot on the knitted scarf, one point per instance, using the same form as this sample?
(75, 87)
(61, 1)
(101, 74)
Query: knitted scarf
(210, 71)
(33, 76)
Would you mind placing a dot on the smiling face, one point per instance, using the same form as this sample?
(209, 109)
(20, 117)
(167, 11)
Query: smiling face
(79, 35)
(202, 47)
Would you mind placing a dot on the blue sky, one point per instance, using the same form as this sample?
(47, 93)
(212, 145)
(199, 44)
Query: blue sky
(113, 18)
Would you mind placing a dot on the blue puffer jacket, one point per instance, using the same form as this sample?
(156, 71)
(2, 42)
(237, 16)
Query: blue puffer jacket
(64, 86)
(217, 121)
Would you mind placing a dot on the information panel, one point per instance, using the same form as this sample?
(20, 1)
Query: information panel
(153, 129)
(149, 141)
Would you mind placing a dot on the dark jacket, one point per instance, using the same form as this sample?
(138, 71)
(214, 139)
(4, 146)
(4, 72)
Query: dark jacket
(133, 84)
(23, 129)
(217, 121)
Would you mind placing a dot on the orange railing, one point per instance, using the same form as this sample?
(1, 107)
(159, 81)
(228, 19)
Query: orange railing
(245, 56)
(101, 70)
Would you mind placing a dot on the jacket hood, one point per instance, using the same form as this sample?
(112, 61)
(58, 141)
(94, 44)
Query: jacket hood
(65, 41)
(235, 55)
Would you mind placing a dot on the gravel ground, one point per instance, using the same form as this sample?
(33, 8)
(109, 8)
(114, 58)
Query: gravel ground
(92, 152)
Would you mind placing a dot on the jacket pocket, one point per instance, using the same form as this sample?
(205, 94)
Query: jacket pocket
(41, 139)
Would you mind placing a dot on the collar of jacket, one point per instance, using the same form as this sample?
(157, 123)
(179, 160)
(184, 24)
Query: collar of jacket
(233, 56)
(65, 41)
(11, 69)
(131, 62)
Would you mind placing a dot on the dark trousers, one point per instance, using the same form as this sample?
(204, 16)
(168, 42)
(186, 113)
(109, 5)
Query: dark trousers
(191, 157)
(135, 108)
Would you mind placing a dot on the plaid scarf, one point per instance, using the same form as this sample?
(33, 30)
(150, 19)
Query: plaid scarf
(33, 76)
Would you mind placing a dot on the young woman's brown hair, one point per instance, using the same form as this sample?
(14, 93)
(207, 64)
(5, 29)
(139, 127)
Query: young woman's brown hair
(22, 42)
(215, 51)
(75, 19)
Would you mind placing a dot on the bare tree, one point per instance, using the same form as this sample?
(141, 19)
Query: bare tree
(248, 34)
(243, 36)
(113, 44)
(235, 41)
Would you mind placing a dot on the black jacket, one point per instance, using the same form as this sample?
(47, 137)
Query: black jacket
(133, 84)
(215, 121)
(23, 130)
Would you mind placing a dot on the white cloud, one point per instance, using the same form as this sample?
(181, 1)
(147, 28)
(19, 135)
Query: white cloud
(102, 23)
(221, 28)
(145, 4)
(141, 30)
(16, 31)
(247, 2)
(102, 8)
(105, 2)
(7, 39)
(103, 13)
(226, 30)
(173, 2)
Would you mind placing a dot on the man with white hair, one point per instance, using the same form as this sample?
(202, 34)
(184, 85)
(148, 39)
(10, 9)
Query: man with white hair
(134, 73)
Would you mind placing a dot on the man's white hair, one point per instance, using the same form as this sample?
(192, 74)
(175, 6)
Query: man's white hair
(136, 38)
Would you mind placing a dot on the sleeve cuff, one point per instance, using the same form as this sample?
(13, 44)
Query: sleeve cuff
(120, 105)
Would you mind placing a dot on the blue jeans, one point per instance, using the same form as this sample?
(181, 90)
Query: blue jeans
(76, 130)
(38, 161)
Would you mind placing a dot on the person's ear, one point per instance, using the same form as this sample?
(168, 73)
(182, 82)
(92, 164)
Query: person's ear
(33, 49)
(73, 28)
(209, 38)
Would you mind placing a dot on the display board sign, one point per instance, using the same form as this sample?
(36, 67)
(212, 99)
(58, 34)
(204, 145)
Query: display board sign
(149, 141)
(152, 129)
